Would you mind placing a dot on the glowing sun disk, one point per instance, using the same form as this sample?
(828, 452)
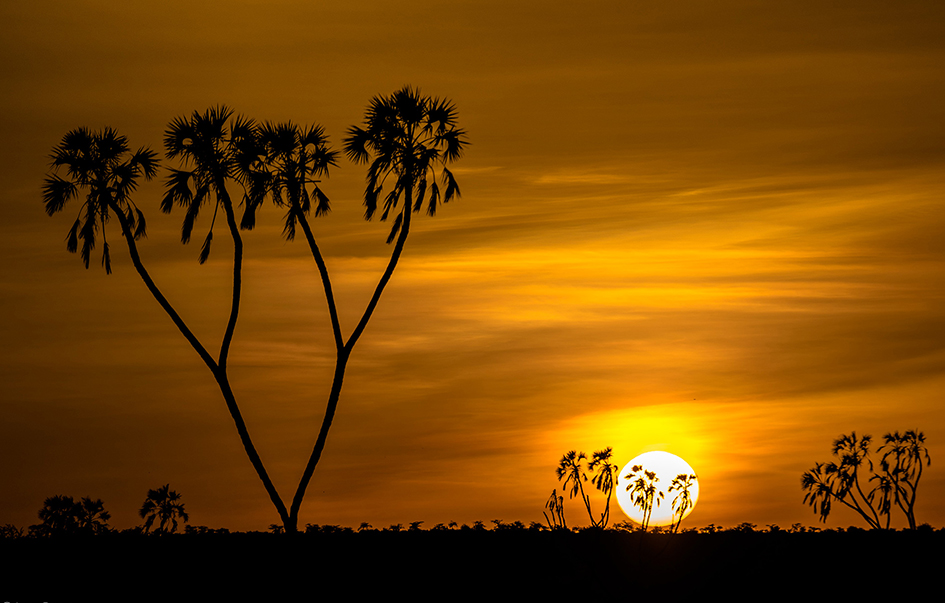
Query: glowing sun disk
(666, 466)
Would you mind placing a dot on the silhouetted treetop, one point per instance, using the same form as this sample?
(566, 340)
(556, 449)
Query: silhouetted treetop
(101, 164)
(409, 135)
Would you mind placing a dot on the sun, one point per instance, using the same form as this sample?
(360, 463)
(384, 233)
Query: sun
(666, 466)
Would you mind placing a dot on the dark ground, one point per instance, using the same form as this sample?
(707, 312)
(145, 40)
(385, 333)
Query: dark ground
(460, 565)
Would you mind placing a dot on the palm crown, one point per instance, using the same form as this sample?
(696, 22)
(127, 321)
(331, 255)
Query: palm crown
(409, 135)
(101, 164)
(294, 157)
(216, 151)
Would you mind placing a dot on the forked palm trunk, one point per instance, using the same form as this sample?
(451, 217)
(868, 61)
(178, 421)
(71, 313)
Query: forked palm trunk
(218, 370)
(343, 348)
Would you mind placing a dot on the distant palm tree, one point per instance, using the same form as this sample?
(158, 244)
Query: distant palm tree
(643, 491)
(92, 516)
(902, 465)
(555, 506)
(603, 479)
(572, 471)
(828, 482)
(682, 502)
(163, 504)
(407, 137)
(59, 516)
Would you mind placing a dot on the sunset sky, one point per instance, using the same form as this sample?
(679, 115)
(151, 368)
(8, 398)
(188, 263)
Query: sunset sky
(712, 228)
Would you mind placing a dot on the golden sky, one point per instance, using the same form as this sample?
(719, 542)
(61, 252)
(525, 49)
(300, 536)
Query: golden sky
(713, 228)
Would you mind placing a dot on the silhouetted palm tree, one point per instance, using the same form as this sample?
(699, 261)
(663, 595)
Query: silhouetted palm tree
(902, 465)
(643, 491)
(163, 504)
(682, 502)
(215, 147)
(101, 164)
(571, 470)
(92, 516)
(406, 137)
(555, 505)
(59, 516)
(603, 479)
(827, 482)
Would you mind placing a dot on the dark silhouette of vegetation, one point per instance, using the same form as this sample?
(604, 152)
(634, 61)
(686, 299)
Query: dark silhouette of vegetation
(571, 470)
(555, 506)
(216, 147)
(895, 483)
(603, 479)
(407, 138)
(643, 491)
(522, 563)
(165, 505)
(102, 165)
(61, 516)
(682, 502)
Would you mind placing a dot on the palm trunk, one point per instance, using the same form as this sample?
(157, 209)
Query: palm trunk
(224, 198)
(587, 504)
(219, 371)
(343, 351)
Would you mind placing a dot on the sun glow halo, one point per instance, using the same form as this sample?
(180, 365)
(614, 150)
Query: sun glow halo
(666, 466)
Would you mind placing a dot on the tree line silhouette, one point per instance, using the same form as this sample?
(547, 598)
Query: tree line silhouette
(407, 140)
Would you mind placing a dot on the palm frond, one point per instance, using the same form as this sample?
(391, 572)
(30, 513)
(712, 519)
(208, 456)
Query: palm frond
(72, 240)
(322, 204)
(395, 229)
(106, 258)
(452, 188)
(57, 192)
(178, 190)
(140, 225)
(205, 249)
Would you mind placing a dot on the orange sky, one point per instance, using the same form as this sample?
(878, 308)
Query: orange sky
(712, 228)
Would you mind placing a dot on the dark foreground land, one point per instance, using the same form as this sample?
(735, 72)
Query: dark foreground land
(463, 565)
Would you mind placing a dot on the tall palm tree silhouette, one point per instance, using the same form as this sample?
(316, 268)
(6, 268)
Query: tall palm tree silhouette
(411, 138)
(165, 505)
(643, 491)
(101, 164)
(214, 147)
(902, 465)
(570, 469)
(682, 502)
(603, 479)
(407, 138)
